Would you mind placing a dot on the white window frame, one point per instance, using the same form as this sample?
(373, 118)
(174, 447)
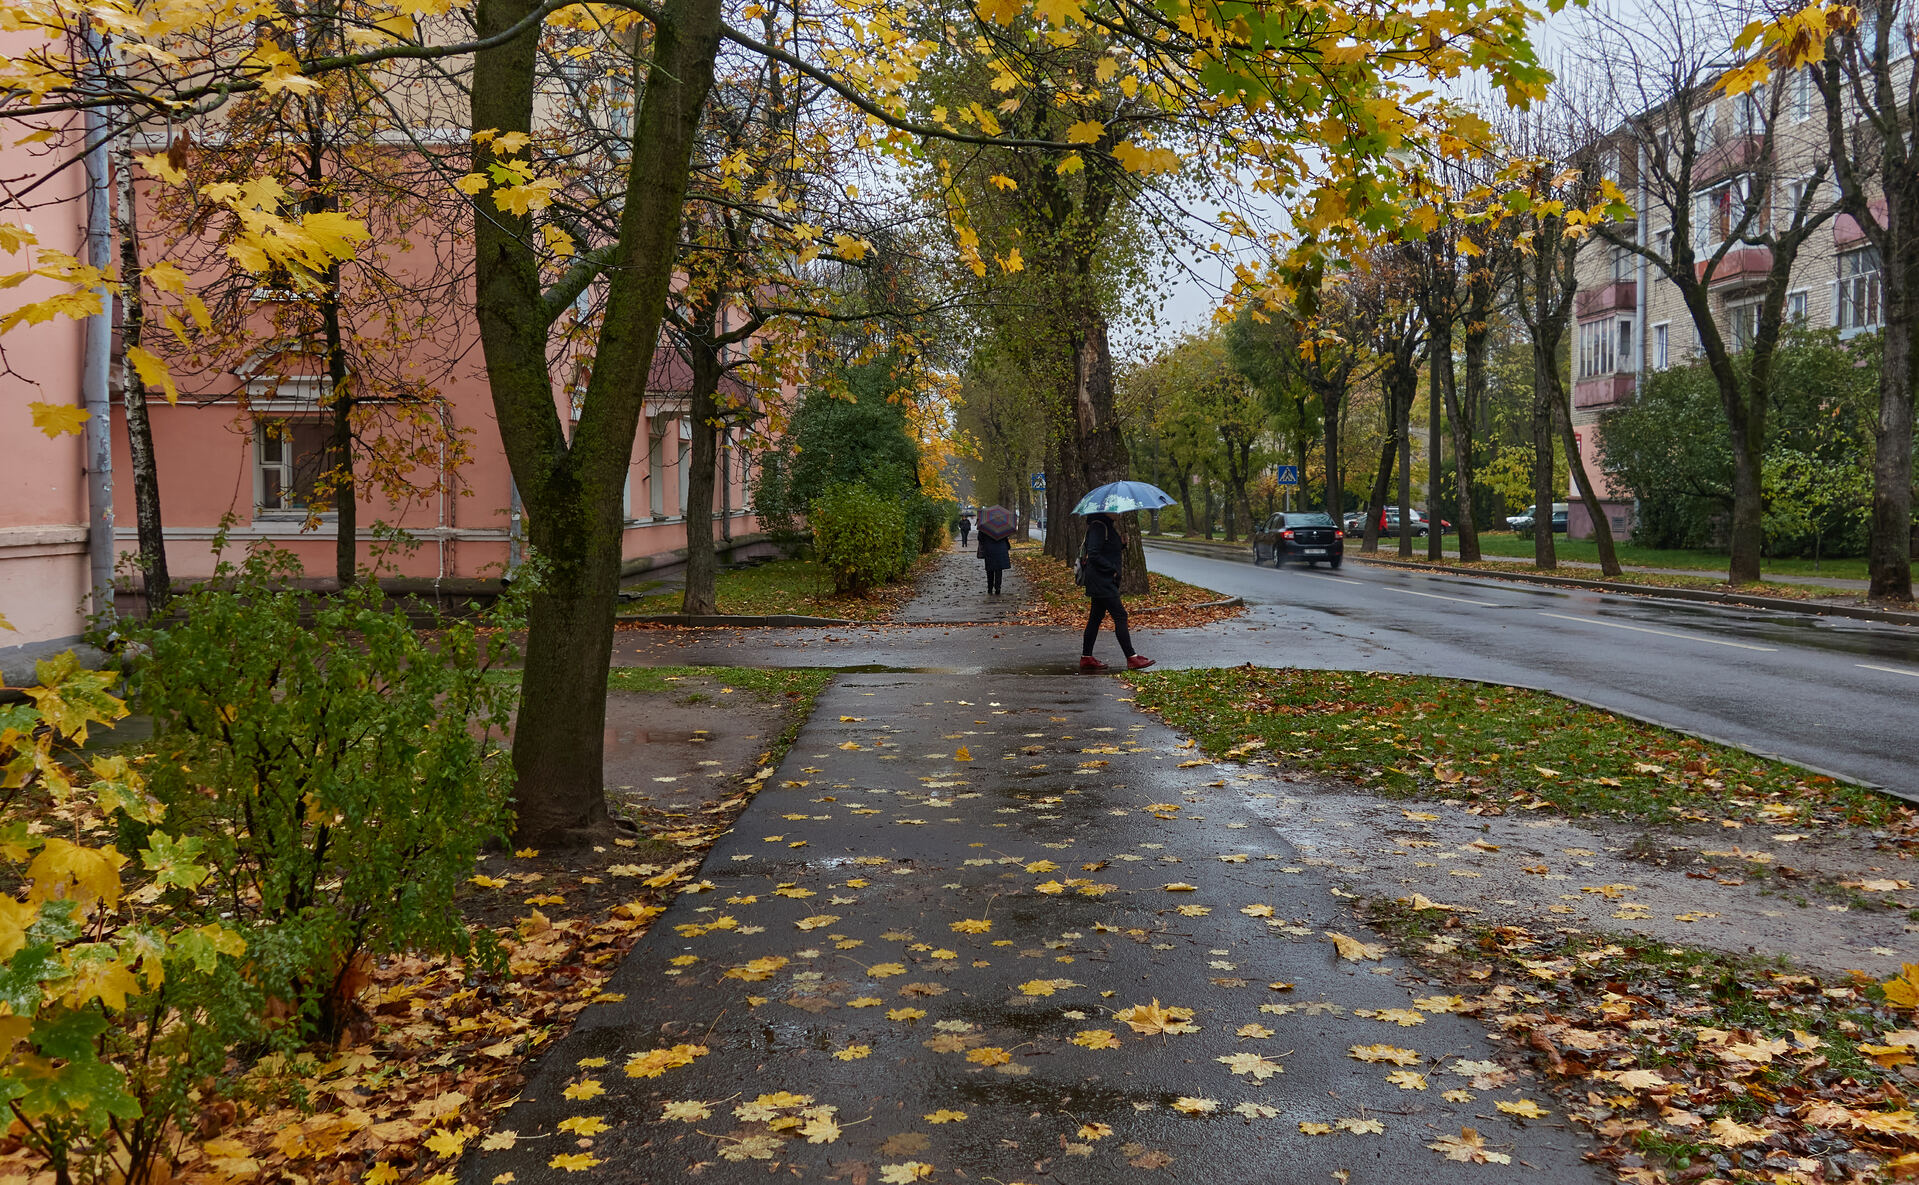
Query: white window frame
(1705, 125)
(1739, 313)
(1799, 306)
(265, 434)
(1662, 345)
(1854, 287)
(1802, 95)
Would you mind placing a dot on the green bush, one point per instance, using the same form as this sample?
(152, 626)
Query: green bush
(859, 535)
(340, 768)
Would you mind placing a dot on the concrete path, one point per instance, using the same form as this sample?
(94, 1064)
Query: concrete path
(929, 947)
(955, 592)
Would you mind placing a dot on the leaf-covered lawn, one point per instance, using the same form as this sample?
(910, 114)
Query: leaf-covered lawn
(1056, 600)
(1504, 747)
(792, 586)
(1762, 588)
(1687, 1064)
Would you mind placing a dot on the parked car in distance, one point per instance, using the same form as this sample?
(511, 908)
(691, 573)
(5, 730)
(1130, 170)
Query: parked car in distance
(1523, 523)
(1389, 523)
(1305, 535)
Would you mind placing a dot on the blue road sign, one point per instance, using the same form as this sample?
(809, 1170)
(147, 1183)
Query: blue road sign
(1289, 475)
(1039, 481)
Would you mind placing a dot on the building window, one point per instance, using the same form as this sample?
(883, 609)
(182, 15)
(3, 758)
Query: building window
(1802, 95)
(1742, 325)
(1705, 123)
(1661, 345)
(289, 458)
(1622, 264)
(1749, 110)
(1860, 291)
(1798, 306)
(1605, 347)
(1714, 214)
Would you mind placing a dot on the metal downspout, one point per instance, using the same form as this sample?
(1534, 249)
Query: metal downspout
(96, 358)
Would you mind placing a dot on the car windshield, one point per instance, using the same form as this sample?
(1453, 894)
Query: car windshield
(1308, 520)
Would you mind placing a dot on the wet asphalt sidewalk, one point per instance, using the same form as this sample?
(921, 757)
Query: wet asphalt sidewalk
(938, 945)
(955, 592)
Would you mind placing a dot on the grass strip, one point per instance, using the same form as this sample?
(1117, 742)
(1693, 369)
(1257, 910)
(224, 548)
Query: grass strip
(1763, 588)
(1501, 747)
(1678, 1060)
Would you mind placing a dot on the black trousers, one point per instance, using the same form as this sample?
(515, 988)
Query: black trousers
(993, 578)
(1102, 608)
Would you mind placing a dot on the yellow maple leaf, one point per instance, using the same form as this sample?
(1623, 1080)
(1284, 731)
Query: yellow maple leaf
(1086, 131)
(445, 1143)
(1468, 1147)
(581, 1125)
(851, 248)
(573, 1162)
(1096, 1039)
(1011, 261)
(650, 1064)
(1060, 12)
(989, 1055)
(1003, 181)
(1000, 12)
(853, 1053)
(972, 926)
(57, 419)
(1902, 990)
(1385, 1053)
(106, 980)
(945, 1116)
(1151, 1018)
(1524, 1108)
(1355, 950)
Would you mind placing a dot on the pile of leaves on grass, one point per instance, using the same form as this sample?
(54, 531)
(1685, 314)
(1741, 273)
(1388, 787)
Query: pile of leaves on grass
(1498, 749)
(1169, 603)
(797, 587)
(1686, 1065)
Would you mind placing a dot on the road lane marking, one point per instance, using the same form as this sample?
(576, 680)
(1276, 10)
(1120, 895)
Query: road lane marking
(1340, 579)
(1442, 597)
(1619, 625)
(1889, 670)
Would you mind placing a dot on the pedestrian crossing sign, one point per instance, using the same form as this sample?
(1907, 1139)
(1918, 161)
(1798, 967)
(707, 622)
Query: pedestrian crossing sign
(1289, 475)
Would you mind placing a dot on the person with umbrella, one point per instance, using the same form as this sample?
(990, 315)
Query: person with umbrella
(996, 524)
(1100, 559)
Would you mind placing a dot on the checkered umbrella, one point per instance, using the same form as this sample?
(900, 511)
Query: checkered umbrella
(997, 522)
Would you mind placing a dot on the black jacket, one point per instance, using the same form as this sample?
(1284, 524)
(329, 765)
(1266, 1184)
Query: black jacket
(998, 553)
(1103, 552)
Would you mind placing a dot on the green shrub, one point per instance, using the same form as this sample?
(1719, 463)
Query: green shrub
(859, 536)
(340, 767)
(118, 1006)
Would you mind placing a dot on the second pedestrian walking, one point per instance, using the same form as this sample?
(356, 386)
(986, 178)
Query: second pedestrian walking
(998, 554)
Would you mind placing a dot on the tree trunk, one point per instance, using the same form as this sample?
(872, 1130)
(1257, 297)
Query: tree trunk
(571, 488)
(1462, 414)
(1102, 447)
(1442, 352)
(340, 399)
(1382, 479)
(155, 582)
(1602, 526)
(702, 561)
(1545, 364)
(1889, 550)
(1748, 510)
(1403, 428)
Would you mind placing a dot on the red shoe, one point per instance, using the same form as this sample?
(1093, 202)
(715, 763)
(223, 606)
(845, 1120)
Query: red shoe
(1138, 662)
(1089, 663)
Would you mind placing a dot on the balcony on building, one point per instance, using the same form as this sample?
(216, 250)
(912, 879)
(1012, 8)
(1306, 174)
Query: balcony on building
(1617, 296)
(1743, 267)
(1604, 390)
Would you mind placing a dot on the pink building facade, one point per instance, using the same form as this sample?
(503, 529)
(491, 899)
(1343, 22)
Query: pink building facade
(240, 450)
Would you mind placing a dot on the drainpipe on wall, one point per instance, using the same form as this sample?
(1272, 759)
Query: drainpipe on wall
(513, 559)
(95, 360)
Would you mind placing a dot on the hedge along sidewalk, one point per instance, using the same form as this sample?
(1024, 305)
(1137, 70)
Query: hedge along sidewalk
(797, 589)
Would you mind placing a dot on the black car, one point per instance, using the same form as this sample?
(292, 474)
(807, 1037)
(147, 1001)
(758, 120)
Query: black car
(1299, 535)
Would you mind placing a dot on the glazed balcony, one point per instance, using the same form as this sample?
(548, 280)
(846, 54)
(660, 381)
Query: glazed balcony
(1618, 296)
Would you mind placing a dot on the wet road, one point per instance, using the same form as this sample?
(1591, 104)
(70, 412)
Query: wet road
(1832, 694)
